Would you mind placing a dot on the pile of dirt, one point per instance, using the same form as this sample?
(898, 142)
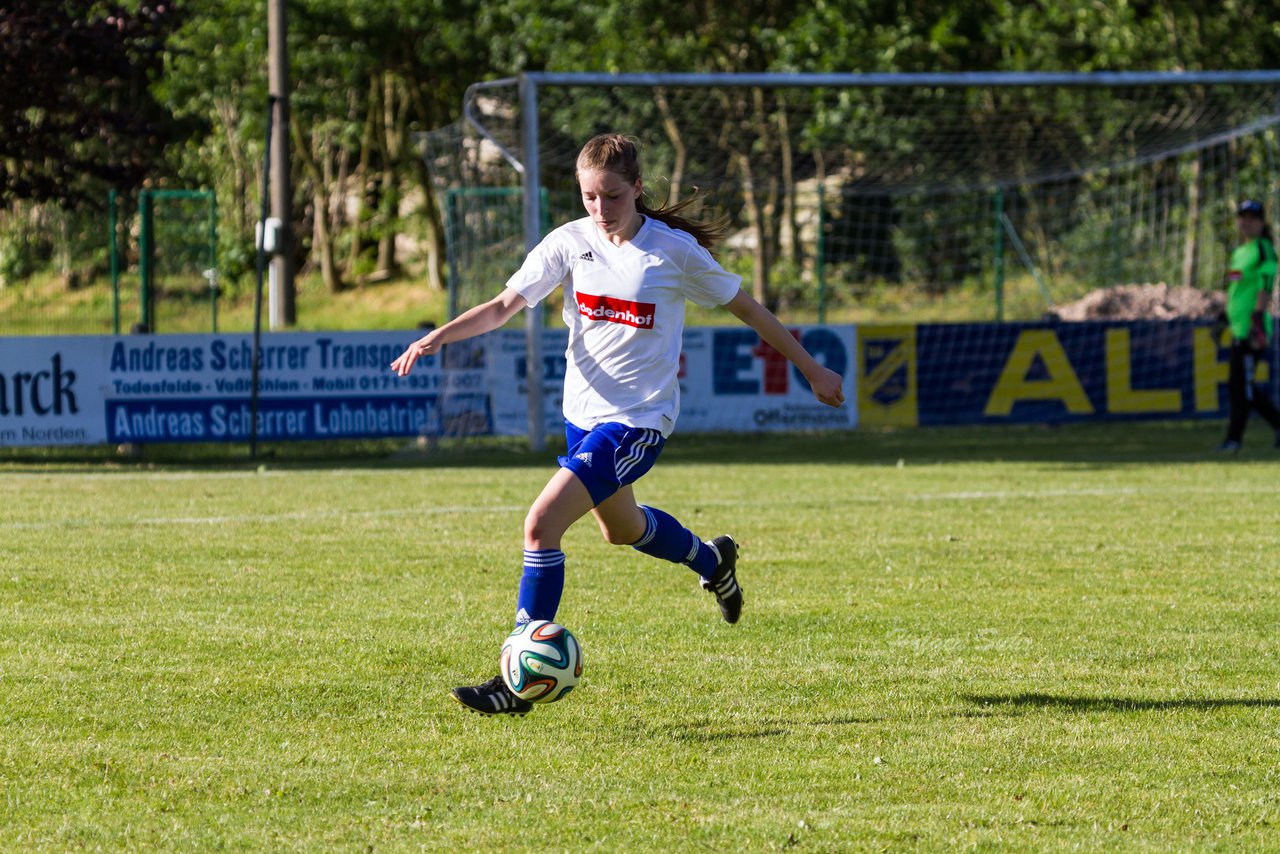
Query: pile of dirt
(1143, 302)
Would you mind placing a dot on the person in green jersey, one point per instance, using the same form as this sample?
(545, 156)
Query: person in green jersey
(1249, 280)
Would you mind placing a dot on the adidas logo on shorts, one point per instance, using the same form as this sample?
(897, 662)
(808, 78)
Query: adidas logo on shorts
(587, 256)
(585, 456)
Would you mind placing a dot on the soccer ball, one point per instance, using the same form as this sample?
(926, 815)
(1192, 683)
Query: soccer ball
(540, 661)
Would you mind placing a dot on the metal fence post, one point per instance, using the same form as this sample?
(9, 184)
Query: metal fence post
(114, 251)
(999, 253)
(532, 235)
(820, 267)
(146, 270)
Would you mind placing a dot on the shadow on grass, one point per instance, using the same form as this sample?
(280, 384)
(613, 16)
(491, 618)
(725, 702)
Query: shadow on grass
(708, 732)
(1095, 444)
(1117, 704)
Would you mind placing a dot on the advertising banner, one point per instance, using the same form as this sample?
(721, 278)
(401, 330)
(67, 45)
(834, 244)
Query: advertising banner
(732, 381)
(1056, 372)
(51, 391)
(197, 388)
(509, 380)
(729, 381)
(887, 388)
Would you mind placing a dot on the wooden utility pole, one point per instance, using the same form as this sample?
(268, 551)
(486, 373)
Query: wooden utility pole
(281, 308)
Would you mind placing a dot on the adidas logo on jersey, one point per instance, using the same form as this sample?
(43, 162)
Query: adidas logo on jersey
(585, 456)
(587, 256)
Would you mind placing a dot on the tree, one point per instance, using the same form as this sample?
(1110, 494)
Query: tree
(77, 115)
(369, 75)
(366, 76)
(676, 35)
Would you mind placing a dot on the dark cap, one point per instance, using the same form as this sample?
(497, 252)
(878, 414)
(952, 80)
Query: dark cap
(1250, 207)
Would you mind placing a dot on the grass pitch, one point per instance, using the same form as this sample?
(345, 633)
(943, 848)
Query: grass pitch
(1020, 638)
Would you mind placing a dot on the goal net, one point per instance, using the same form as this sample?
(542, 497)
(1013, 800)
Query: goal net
(993, 196)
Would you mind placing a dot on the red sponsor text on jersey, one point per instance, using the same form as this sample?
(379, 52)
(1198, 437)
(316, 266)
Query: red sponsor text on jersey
(637, 314)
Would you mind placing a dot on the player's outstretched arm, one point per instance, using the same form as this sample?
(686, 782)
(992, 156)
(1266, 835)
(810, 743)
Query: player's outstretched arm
(827, 385)
(485, 317)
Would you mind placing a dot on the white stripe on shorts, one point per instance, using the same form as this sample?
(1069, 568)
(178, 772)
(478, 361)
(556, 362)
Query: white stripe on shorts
(639, 448)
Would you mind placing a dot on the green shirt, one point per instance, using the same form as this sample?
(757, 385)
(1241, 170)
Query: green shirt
(1253, 268)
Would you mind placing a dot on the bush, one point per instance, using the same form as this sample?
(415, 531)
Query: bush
(22, 255)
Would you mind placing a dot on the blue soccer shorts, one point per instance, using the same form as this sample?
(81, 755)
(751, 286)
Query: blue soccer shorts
(610, 455)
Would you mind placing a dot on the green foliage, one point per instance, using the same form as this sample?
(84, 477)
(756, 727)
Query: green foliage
(367, 75)
(36, 238)
(21, 255)
(237, 264)
(83, 117)
(1113, 36)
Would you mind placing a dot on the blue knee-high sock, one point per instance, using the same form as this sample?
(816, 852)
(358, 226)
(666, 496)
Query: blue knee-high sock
(540, 585)
(666, 538)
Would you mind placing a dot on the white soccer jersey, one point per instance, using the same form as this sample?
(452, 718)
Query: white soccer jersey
(624, 306)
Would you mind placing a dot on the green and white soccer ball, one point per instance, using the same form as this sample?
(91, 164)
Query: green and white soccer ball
(540, 661)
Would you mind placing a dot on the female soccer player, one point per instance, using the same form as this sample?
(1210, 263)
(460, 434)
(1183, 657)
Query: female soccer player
(1249, 280)
(627, 271)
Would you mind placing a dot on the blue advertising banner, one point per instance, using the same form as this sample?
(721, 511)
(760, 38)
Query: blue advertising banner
(197, 388)
(1055, 372)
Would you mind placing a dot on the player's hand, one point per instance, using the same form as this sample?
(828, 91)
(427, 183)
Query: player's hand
(427, 345)
(828, 386)
(1258, 332)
